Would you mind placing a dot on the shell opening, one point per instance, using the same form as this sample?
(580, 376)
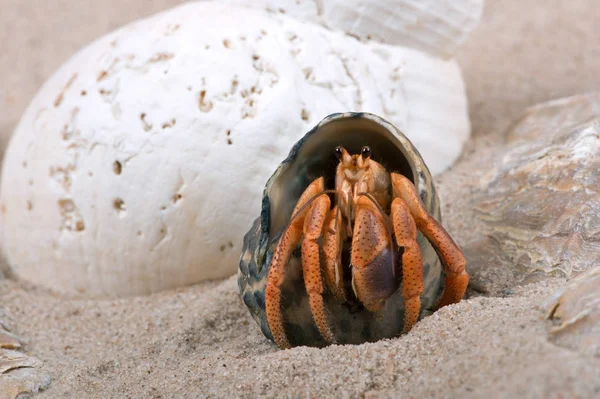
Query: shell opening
(314, 156)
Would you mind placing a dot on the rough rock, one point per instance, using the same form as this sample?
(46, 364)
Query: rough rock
(574, 312)
(536, 199)
(20, 374)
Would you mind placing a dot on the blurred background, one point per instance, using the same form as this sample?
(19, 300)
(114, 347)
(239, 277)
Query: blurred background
(522, 53)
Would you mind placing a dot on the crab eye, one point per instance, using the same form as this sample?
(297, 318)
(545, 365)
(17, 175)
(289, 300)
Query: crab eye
(366, 152)
(338, 152)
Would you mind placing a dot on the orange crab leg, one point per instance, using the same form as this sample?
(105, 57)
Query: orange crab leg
(372, 272)
(311, 265)
(286, 245)
(333, 237)
(405, 231)
(453, 260)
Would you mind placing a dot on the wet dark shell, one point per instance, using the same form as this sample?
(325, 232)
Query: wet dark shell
(311, 157)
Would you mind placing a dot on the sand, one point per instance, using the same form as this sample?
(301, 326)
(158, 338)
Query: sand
(200, 341)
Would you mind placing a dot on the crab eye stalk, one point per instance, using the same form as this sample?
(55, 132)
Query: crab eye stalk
(339, 152)
(365, 152)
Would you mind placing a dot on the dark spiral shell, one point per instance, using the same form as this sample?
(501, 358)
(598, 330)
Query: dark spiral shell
(311, 157)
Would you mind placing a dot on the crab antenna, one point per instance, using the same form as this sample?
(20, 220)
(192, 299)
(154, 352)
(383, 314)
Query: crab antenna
(349, 211)
(387, 227)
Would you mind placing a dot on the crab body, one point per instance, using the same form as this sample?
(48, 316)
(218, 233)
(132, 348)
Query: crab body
(342, 251)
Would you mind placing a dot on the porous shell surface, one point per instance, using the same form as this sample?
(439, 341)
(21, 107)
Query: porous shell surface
(310, 158)
(139, 165)
(434, 26)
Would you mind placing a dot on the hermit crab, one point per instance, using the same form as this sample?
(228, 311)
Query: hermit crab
(349, 245)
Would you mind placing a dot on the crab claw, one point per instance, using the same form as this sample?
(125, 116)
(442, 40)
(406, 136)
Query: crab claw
(374, 279)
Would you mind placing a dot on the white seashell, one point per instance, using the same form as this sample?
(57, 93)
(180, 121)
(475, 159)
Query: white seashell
(305, 10)
(139, 165)
(438, 27)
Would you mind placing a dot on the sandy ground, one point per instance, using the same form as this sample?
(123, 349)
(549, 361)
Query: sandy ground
(201, 342)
